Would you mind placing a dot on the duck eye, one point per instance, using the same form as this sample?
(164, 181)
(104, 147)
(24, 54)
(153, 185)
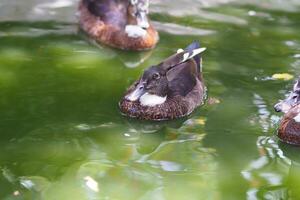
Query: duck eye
(295, 98)
(156, 76)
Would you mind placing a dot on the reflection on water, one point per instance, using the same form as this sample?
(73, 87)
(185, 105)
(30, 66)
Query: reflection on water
(266, 174)
(264, 117)
(139, 166)
(176, 29)
(275, 173)
(63, 137)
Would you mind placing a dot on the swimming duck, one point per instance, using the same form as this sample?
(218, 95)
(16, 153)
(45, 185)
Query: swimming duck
(171, 89)
(289, 128)
(121, 24)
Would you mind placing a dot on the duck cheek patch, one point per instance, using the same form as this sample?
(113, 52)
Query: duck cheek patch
(297, 118)
(152, 100)
(135, 31)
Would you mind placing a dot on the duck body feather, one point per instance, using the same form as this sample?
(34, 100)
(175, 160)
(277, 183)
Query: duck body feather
(184, 90)
(174, 107)
(110, 22)
(289, 128)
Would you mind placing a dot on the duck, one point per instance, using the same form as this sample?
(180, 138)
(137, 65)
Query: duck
(289, 127)
(122, 24)
(168, 90)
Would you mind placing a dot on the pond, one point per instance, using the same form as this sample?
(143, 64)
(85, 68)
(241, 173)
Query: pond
(62, 134)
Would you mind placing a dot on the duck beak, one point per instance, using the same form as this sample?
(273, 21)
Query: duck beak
(142, 20)
(284, 106)
(277, 107)
(136, 93)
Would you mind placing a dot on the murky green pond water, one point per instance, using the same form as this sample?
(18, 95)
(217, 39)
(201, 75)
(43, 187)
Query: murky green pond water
(63, 137)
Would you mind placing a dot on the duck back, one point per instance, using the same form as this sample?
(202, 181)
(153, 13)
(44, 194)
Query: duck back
(110, 11)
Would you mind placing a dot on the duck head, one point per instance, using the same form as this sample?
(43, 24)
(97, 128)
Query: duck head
(139, 10)
(152, 88)
(138, 21)
(292, 100)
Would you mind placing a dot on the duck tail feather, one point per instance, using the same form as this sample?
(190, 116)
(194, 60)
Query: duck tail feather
(194, 45)
(191, 48)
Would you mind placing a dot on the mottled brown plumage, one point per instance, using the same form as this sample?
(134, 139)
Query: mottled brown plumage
(289, 128)
(180, 82)
(174, 107)
(105, 22)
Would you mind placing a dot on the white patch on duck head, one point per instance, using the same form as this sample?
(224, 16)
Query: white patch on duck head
(195, 52)
(297, 118)
(135, 31)
(152, 99)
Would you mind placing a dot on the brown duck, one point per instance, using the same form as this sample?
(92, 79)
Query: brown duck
(289, 128)
(121, 24)
(171, 89)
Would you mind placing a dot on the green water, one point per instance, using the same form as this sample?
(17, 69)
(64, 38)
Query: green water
(63, 137)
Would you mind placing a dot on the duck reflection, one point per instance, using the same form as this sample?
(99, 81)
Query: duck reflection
(129, 59)
(134, 59)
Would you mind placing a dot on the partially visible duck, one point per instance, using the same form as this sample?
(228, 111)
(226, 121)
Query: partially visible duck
(289, 128)
(171, 89)
(121, 24)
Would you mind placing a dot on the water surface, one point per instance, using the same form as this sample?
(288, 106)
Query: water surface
(63, 137)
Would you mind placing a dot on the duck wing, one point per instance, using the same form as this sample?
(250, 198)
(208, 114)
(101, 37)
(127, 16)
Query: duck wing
(97, 7)
(192, 52)
(182, 78)
(110, 11)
